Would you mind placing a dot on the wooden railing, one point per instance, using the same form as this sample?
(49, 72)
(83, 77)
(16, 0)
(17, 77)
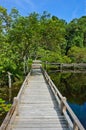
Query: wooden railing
(10, 115)
(74, 124)
(61, 66)
(14, 110)
(72, 120)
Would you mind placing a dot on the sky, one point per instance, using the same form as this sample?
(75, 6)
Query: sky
(63, 9)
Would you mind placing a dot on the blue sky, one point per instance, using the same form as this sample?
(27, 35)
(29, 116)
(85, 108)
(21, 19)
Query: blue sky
(63, 9)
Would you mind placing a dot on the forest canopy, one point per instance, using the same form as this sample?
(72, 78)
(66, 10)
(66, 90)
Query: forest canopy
(39, 36)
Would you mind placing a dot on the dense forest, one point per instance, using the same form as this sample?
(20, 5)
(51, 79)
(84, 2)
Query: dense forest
(44, 37)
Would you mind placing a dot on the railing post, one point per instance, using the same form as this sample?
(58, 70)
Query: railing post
(9, 127)
(74, 66)
(63, 107)
(75, 127)
(61, 67)
(17, 105)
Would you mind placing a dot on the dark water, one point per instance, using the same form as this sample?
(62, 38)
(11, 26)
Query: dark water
(73, 86)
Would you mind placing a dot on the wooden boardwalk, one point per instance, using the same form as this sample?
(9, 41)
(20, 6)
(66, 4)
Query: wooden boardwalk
(38, 109)
(40, 106)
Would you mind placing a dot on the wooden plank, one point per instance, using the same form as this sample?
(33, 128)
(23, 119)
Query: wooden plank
(28, 119)
(40, 125)
(40, 129)
(75, 125)
(39, 108)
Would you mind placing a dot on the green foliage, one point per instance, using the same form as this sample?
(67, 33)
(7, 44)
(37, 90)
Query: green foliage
(50, 56)
(38, 37)
(3, 106)
(77, 54)
(66, 59)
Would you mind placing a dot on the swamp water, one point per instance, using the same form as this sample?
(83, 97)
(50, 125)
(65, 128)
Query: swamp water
(72, 85)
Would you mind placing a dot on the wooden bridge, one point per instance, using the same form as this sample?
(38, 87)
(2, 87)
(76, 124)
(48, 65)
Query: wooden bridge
(40, 106)
(70, 66)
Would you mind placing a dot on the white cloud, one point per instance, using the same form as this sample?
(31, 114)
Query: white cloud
(30, 3)
(24, 4)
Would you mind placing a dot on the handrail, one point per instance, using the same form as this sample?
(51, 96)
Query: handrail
(74, 117)
(23, 85)
(9, 115)
(14, 108)
(75, 124)
(51, 83)
(58, 63)
(74, 66)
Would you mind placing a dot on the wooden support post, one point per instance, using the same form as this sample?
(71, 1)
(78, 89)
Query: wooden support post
(17, 105)
(75, 127)
(63, 107)
(74, 66)
(61, 65)
(9, 79)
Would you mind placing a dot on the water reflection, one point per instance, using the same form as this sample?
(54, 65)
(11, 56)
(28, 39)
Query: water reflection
(80, 111)
(73, 86)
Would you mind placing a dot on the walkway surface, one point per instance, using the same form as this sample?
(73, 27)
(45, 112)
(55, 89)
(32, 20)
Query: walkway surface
(38, 109)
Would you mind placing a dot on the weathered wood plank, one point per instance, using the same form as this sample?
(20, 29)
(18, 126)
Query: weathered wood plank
(40, 119)
(38, 107)
(40, 125)
(40, 129)
(74, 123)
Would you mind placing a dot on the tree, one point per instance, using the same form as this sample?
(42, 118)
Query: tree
(76, 31)
(52, 34)
(6, 19)
(77, 54)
